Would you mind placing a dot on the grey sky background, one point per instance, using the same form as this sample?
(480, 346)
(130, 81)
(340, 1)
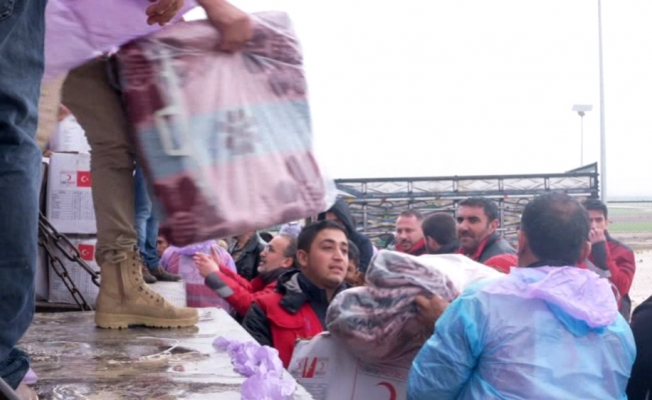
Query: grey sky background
(431, 88)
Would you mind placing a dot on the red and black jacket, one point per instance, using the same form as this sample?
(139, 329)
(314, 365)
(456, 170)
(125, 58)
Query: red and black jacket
(616, 262)
(418, 249)
(295, 310)
(493, 245)
(244, 292)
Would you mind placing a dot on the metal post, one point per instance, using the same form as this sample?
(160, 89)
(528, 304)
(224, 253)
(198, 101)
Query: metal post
(581, 139)
(603, 144)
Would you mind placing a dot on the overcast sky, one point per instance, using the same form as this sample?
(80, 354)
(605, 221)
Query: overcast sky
(431, 88)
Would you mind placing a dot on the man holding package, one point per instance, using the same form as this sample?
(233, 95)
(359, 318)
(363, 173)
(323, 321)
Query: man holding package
(124, 299)
(548, 329)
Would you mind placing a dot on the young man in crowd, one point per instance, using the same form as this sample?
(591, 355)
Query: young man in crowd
(297, 308)
(409, 236)
(440, 233)
(548, 330)
(613, 259)
(341, 213)
(477, 221)
(276, 259)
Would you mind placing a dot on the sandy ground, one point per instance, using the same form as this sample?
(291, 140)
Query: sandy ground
(642, 286)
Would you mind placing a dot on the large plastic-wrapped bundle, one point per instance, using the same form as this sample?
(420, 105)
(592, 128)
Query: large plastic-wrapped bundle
(378, 323)
(225, 139)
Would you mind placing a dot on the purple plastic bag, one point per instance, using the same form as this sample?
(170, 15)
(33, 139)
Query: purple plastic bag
(262, 367)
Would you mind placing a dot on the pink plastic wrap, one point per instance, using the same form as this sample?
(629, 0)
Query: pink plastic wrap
(225, 138)
(180, 261)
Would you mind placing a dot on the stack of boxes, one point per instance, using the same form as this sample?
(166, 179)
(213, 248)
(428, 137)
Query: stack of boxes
(69, 208)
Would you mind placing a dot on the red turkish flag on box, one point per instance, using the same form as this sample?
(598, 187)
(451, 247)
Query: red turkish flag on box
(83, 179)
(87, 252)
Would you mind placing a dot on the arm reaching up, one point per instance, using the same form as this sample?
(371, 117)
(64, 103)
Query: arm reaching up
(233, 23)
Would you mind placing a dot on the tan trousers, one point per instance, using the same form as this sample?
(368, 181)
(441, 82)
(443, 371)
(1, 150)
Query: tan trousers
(48, 109)
(98, 108)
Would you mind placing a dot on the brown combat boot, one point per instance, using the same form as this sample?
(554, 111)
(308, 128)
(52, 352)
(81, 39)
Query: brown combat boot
(125, 300)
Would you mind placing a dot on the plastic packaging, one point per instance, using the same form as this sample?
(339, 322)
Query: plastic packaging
(224, 138)
(262, 367)
(378, 323)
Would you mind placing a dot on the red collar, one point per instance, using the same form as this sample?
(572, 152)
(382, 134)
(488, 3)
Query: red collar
(475, 256)
(417, 249)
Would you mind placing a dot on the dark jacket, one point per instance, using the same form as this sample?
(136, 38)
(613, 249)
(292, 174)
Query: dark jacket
(640, 381)
(450, 248)
(619, 265)
(494, 245)
(295, 310)
(341, 209)
(247, 261)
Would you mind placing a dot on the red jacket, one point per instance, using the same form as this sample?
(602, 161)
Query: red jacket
(287, 328)
(245, 292)
(294, 311)
(618, 259)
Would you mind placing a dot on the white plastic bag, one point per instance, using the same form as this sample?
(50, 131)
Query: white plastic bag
(377, 323)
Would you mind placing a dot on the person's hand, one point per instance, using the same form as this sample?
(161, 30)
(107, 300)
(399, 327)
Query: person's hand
(162, 11)
(205, 264)
(63, 113)
(597, 236)
(234, 24)
(216, 257)
(430, 309)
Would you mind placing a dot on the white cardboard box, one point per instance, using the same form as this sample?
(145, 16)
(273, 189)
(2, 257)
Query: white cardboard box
(69, 136)
(82, 279)
(69, 201)
(329, 372)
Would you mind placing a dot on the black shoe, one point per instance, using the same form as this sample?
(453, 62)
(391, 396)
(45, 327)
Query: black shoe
(147, 275)
(164, 276)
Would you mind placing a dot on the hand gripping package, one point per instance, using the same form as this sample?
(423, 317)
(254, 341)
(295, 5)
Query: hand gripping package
(378, 322)
(225, 139)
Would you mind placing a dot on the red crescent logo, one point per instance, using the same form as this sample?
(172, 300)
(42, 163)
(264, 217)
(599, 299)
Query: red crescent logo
(391, 388)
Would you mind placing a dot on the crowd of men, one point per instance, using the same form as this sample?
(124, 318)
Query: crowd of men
(533, 333)
(284, 297)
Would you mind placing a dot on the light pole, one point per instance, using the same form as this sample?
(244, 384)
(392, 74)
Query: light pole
(581, 110)
(603, 142)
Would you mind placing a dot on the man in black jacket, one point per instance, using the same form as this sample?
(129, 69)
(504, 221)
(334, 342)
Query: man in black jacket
(341, 213)
(640, 382)
(245, 250)
(477, 221)
(440, 233)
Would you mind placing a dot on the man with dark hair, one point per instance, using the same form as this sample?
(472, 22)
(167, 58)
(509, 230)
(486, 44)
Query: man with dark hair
(610, 258)
(508, 336)
(440, 233)
(297, 308)
(477, 221)
(276, 259)
(409, 236)
(341, 213)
